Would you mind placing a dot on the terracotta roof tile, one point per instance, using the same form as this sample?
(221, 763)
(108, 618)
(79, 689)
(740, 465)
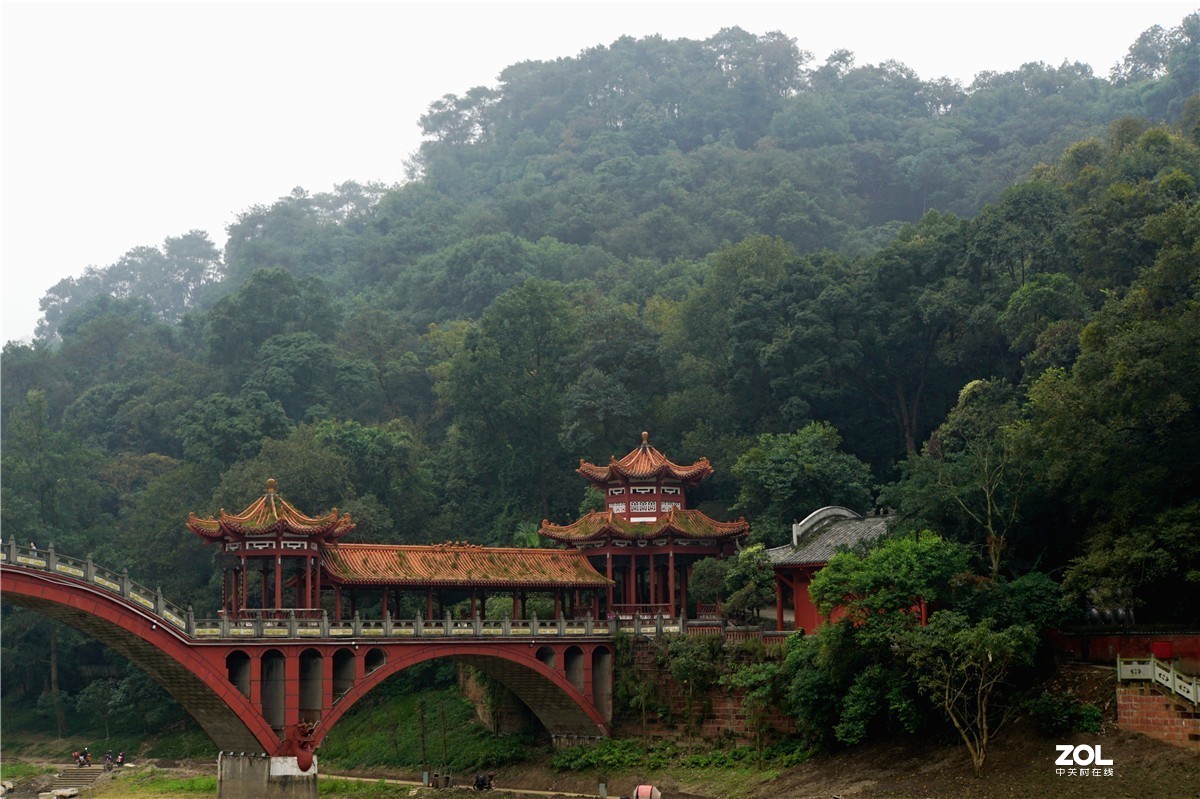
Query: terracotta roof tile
(465, 565)
(680, 523)
(270, 514)
(644, 463)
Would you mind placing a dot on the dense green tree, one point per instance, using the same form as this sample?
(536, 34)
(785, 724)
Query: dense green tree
(1119, 430)
(963, 668)
(503, 388)
(784, 477)
(270, 303)
(969, 480)
(171, 280)
(307, 472)
(219, 429)
(50, 494)
(749, 584)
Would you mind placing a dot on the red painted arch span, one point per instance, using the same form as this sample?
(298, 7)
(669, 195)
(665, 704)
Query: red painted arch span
(197, 672)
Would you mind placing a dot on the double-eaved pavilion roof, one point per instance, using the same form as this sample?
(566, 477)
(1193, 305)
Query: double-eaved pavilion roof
(459, 565)
(270, 515)
(644, 463)
(677, 523)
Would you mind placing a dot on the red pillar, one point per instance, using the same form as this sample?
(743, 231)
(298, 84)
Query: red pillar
(291, 688)
(778, 604)
(429, 605)
(337, 603)
(683, 605)
(671, 580)
(609, 574)
(796, 623)
(308, 583)
(317, 569)
(653, 580)
(279, 582)
(244, 602)
(326, 683)
(256, 679)
(631, 589)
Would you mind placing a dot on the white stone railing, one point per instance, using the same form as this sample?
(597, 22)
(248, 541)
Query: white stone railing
(1162, 674)
(302, 624)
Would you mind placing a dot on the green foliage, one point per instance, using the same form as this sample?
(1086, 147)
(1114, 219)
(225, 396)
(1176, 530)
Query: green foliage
(963, 668)
(749, 583)
(880, 667)
(885, 586)
(629, 755)
(382, 731)
(715, 240)
(694, 662)
(1061, 714)
(782, 478)
(16, 770)
(707, 581)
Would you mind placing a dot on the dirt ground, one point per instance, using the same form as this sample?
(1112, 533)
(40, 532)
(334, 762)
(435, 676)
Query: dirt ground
(1020, 765)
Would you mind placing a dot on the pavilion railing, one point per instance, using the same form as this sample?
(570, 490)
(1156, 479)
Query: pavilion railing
(305, 623)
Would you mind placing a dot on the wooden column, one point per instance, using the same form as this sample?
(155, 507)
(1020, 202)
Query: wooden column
(653, 580)
(279, 582)
(631, 589)
(308, 582)
(683, 603)
(671, 580)
(609, 574)
(796, 601)
(317, 569)
(337, 603)
(779, 605)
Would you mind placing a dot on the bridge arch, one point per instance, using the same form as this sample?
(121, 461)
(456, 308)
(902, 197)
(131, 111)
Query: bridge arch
(238, 691)
(201, 686)
(561, 707)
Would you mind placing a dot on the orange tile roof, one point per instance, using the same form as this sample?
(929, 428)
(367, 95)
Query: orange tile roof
(270, 514)
(601, 525)
(644, 462)
(466, 565)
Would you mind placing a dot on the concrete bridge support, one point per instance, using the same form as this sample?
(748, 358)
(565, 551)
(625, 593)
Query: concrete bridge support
(259, 776)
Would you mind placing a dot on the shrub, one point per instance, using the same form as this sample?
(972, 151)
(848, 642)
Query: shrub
(1058, 714)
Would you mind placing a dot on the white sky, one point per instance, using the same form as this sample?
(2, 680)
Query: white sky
(126, 124)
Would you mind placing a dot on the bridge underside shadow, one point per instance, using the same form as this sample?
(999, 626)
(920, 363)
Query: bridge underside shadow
(210, 710)
(555, 709)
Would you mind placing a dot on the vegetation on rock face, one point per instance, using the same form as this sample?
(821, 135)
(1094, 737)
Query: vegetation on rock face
(840, 282)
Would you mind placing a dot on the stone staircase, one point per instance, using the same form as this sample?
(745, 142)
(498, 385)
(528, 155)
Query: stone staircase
(75, 777)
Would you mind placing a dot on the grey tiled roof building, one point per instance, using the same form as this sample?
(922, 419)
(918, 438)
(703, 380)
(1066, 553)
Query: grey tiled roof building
(824, 533)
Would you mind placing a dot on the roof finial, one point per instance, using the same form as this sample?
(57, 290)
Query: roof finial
(645, 437)
(270, 485)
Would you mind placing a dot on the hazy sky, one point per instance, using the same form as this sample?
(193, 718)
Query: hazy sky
(126, 124)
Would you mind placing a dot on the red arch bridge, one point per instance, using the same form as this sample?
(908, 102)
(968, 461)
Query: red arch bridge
(275, 687)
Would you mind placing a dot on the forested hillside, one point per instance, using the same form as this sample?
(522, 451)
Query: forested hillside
(842, 283)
